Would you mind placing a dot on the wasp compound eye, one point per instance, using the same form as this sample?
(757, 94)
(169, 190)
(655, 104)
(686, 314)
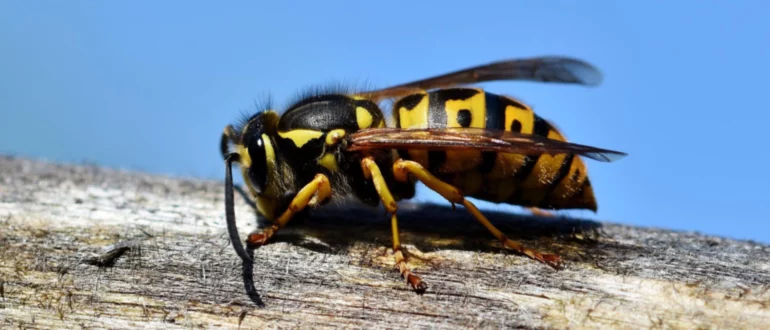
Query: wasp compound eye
(258, 169)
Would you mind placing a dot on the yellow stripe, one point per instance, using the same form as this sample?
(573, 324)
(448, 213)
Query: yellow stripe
(417, 117)
(525, 116)
(301, 136)
(476, 104)
(244, 153)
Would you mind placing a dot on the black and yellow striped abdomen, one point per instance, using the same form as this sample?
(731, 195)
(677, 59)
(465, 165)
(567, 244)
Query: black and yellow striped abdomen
(556, 182)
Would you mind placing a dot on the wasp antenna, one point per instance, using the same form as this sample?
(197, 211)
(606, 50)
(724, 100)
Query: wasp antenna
(232, 229)
(228, 136)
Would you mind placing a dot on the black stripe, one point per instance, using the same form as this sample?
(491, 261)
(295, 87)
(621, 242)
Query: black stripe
(495, 120)
(495, 113)
(436, 113)
(488, 160)
(404, 154)
(436, 159)
(541, 128)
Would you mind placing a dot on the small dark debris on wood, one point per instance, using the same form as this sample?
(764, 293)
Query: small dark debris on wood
(110, 254)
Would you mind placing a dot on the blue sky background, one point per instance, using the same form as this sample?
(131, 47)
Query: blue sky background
(150, 85)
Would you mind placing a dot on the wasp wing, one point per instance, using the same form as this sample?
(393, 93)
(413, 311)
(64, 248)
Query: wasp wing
(481, 139)
(542, 69)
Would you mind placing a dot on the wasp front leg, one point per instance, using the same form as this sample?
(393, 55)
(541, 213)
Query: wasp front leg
(315, 192)
(372, 171)
(401, 170)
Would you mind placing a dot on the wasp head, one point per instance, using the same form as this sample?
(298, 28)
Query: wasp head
(255, 152)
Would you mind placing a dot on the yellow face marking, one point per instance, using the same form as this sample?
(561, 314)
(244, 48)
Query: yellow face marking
(334, 136)
(417, 117)
(244, 153)
(301, 136)
(363, 117)
(271, 171)
(328, 161)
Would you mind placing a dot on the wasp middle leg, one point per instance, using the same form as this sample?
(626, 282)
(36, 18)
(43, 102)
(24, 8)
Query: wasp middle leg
(372, 171)
(318, 190)
(402, 168)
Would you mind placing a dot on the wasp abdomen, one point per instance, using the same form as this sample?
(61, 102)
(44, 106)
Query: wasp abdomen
(547, 181)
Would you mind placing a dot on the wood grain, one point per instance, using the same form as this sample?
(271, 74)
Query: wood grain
(88, 247)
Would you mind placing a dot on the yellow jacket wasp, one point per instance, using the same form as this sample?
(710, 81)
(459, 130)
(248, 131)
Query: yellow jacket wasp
(459, 141)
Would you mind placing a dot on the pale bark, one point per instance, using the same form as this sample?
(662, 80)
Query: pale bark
(173, 265)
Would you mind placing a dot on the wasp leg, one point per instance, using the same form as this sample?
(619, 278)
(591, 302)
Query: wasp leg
(402, 168)
(372, 171)
(539, 212)
(314, 192)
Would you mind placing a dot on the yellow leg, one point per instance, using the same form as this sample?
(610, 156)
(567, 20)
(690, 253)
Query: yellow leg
(372, 171)
(404, 167)
(316, 191)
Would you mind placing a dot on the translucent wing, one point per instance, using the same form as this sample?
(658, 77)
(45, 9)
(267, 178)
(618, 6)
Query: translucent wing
(542, 69)
(472, 139)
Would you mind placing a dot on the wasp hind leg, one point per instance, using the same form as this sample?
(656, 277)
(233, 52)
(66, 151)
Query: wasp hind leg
(401, 170)
(315, 192)
(372, 171)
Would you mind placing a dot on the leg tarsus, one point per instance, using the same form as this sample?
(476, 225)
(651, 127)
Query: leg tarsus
(548, 259)
(313, 193)
(372, 171)
(417, 284)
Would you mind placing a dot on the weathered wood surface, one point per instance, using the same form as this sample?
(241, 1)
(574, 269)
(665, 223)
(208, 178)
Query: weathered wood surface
(334, 269)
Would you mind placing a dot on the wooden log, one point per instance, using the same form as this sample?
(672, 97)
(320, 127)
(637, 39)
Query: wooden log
(82, 246)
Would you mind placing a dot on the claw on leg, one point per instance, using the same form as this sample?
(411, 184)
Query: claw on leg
(372, 171)
(314, 192)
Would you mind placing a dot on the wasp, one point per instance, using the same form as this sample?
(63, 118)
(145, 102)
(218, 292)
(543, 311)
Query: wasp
(458, 140)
